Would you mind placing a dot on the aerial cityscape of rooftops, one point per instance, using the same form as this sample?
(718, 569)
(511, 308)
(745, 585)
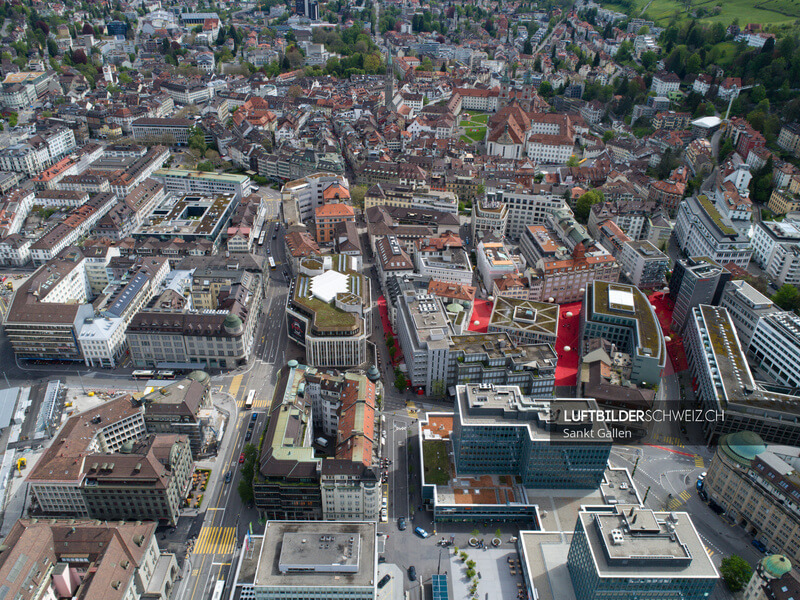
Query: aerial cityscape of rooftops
(399, 300)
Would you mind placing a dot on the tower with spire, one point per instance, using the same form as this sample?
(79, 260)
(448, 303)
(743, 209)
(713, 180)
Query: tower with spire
(388, 92)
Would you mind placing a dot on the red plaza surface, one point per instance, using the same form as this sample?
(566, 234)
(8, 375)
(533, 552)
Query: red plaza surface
(569, 331)
(481, 312)
(664, 306)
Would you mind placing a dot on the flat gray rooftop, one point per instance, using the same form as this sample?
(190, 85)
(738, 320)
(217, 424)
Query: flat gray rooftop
(637, 542)
(283, 547)
(544, 560)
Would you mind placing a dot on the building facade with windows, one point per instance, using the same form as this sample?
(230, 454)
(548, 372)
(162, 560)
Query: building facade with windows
(497, 430)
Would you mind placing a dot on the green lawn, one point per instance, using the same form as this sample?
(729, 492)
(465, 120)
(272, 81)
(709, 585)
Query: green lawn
(465, 123)
(436, 462)
(767, 12)
(476, 133)
(480, 119)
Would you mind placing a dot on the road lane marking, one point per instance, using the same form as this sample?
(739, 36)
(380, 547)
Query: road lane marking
(216, 540)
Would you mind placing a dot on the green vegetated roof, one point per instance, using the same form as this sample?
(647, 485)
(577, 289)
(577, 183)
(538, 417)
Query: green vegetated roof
(435, 462)
(713, 213)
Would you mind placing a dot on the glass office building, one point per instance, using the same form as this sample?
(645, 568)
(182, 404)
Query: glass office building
(497, 430)
(637, 554)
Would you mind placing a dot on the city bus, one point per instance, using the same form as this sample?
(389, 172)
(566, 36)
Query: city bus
(248, 404)
(271, 263)
(165, 374)
(261, 238)
(143, 374)
(219, 588)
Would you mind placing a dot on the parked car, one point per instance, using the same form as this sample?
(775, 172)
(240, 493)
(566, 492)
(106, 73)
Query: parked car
(421, 532)
(401, 523)
(412, 573)
(384, 580)
(699, 484)
(254, 416)
(241, 458)
(703, 495)
(758, 545)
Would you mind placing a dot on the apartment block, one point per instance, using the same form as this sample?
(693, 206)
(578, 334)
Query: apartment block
(182, 181)
(644, 265)
(489, 218)
(776, 249)
(423, 333)
(88, 558)
(525, 206)
(745, 305)
(622, 314)
(443, 259)
(700, 230)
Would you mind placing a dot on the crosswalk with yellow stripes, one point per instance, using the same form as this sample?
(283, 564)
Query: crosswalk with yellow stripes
(679, 500)
(672, 441)
(698, 462)
(709, 550)
(411, 409)
(235, 383)
(215, 540)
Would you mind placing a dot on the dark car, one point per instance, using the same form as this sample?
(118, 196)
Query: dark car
(758, 545)
(401, 523)
(412, 573)
(248, 435)
(228, 476)
(703, 496)
(700, 485)
(382, 583)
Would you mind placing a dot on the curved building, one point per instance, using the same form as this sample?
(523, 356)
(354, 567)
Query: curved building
(329, 313)
(759, 488)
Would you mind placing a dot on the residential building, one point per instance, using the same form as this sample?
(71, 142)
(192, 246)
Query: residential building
(700, 230)
(499, 431)
(489, 218)
(176, 408)
(773, 579)
(695, 281)
(757, 486)
(100, 450)
(495, 261)
(442, 258)
(725, 386)
(632, 550)
(342, 565)
(564, 258)
(789, 139)
(774, 349)
(663, 83)
(286, 482)
(644, 265)
(327, 216)
(404, 196)
(526, 206)
(302, 197)
(87, 558)
(182, 181)
(393, 260)
(168, 131)
(493, 358)
(102, 341)
(221, 336)
(776, 249)
(329, 311)
(525, 321)
(48, 310)
(745, 305)
(191, 218)
(423, 333)
(622, 314)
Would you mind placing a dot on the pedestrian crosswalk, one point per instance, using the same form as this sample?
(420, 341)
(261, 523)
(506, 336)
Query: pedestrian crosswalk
(698, 462)
(676, 502)
(672, 441)
(215, 540)
(234, 387)
(411, 409)
(709, 550)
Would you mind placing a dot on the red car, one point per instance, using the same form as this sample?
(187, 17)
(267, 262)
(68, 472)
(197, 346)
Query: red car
(241, 458)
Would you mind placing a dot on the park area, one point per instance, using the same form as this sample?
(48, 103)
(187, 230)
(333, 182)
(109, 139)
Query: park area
(474, 125)
(768, 12)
